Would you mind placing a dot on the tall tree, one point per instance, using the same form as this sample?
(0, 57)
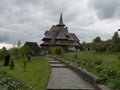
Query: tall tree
(19, 44)
(116, 37)
(24, 50)
(97, 40)
(3, 52)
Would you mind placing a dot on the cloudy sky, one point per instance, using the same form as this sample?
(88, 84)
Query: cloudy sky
(27, 20)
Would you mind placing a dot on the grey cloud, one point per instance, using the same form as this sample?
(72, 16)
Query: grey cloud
(88, 35)
(106, 9)
(27, 20)
(4, 38)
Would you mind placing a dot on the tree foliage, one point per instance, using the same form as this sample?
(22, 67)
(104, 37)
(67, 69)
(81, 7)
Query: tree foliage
(14, 52)
(24, 50)
(112, 45)
(116, 37)
(3, 53)
(97, 40)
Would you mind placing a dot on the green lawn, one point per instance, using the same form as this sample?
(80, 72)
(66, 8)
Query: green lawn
(110, 59)
(37, 72)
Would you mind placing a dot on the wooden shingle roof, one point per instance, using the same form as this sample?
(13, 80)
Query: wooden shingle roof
(75, 37)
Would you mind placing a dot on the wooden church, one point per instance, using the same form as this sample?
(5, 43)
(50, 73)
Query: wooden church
(58, 35)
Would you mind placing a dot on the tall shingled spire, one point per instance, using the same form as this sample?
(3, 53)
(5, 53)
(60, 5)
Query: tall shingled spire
(61, 21)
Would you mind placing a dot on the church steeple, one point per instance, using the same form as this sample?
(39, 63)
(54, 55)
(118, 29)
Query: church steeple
(61, 21)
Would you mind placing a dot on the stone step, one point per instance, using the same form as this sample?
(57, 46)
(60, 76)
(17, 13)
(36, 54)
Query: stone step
(55, 62)
(58, 66)
(71, 89)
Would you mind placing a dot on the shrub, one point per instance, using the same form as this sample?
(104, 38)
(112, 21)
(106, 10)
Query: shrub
(116, 48)
(117, 84)
(53, 50)
(111, 73)
(24, 64)
(12, 64)
(57, 50)
(100, 47)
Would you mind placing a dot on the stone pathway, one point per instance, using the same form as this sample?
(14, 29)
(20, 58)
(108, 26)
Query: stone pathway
(63, 78)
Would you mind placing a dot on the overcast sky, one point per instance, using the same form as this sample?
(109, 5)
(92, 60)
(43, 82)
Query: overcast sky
(27, 20)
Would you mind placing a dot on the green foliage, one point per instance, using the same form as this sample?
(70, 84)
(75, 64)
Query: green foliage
(24, 50)
(12, 64)
(107, 46)
(53, 50)
(116, 37)
(118, 57)
(14, 52)
(65, 48)
(97, 40)
(100, 47)
(24, 64)
(3, 53)
(115, 47)
(112, 45)
(57, 50)
(117, 83)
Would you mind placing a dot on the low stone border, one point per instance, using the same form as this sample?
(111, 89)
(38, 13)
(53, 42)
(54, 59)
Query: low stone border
(96, 81)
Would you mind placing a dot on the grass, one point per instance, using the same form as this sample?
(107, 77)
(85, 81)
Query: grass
(110, 59)
(37, 72)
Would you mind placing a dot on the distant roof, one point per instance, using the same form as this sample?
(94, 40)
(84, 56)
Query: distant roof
(33, 46)
(30, 43)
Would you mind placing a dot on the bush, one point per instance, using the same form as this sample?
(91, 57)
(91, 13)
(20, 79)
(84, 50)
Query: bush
(53, 50)
(115, 48)
(12, 65)
(57, 50)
